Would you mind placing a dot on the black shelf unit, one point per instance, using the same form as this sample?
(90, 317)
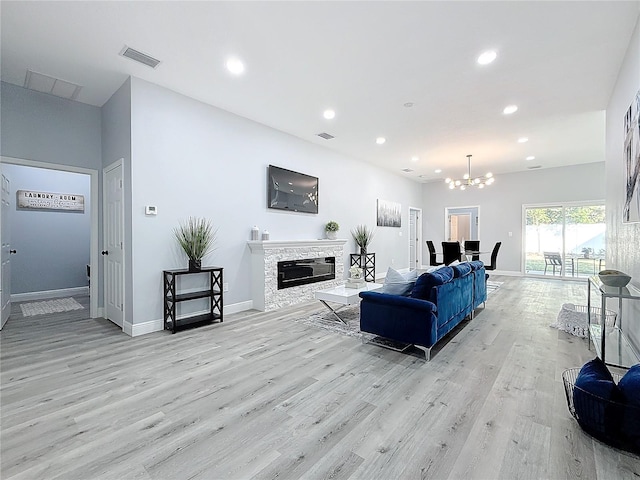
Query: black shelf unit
(367, 262)
(172, 298)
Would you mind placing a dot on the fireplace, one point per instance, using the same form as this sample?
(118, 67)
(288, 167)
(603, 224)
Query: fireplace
(292, 273)
(265, 255)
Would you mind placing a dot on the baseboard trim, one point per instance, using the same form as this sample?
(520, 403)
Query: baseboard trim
(137, 329)
(45, 294)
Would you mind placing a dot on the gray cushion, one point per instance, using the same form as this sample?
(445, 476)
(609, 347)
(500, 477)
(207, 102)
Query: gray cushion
(395, 283)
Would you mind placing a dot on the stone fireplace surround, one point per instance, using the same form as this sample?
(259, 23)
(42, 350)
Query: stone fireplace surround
(265, 256)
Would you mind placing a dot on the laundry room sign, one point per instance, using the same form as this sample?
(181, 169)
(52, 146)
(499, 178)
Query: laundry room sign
(50, 201)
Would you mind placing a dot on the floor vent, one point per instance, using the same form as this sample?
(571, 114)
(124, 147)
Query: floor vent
(325, 135)
(139, 57)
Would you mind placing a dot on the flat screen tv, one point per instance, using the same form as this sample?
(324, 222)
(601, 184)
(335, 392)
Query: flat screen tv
(293, 191)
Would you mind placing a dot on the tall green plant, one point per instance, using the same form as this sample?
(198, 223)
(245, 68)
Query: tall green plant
(197, 237)
(362, 235)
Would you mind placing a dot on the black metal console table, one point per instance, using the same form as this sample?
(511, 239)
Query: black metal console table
(172, 297)
(367, 262)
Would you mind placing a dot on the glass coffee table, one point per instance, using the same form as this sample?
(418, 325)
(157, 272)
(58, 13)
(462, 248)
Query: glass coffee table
(343, 296)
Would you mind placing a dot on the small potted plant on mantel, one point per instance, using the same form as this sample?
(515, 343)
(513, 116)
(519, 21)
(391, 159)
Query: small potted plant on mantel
(197, 238)
(363, 237)
(331, 229)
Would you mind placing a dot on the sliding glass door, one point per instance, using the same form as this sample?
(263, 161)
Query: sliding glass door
(564, 240)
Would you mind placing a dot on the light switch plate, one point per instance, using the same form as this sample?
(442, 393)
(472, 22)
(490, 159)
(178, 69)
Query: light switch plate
(150, 210)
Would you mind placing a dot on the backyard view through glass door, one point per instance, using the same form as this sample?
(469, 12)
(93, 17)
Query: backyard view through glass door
(565, 240)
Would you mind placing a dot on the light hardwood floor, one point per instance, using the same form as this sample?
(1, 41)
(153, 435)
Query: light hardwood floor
(262, 396)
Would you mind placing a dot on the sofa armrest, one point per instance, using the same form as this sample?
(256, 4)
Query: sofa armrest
(404, 319)
(398, 301)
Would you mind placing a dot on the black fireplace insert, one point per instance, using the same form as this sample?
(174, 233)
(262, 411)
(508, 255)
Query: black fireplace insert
(292, 273)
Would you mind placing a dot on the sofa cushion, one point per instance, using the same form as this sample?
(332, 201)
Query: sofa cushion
(396, 283)
(476, 264)
(426, 281)
(461, 270)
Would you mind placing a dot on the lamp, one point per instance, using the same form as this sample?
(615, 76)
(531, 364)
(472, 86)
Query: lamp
(468, 181)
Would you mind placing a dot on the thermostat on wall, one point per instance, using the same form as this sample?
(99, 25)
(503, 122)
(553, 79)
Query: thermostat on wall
(150, 210)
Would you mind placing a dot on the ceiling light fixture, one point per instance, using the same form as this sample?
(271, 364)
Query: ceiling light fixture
(438, 170)
(468, 181)
(235, 66)
(414, 159)
(487, 57)
(508, 110)
(329, 114)
(523, 140)
(530, 157)
(380, 140)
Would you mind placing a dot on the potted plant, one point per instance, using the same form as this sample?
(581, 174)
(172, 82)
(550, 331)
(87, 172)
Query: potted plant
(331, 229)
(363, 236)
(587, 251)
(197, 237)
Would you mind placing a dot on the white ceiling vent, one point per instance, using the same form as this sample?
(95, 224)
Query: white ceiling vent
(407, 170)
(326, 136)
(47, 84)
(139, 57)
(535, 167)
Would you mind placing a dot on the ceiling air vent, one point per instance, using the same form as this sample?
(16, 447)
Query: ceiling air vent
(139, 57)
(407, 170)
(48, 84)
(325, 135)
(534, 167)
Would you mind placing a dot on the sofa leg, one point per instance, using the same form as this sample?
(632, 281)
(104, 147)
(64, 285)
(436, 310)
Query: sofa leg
(427, 352)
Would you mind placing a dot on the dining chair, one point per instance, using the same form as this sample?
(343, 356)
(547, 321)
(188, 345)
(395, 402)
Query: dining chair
(432, 254)
(494, 257)
(451, 252)
(473, 246)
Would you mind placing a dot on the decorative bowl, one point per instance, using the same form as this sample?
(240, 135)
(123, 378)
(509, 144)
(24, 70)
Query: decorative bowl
(614, 278)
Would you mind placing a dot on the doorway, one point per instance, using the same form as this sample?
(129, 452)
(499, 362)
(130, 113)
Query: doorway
(462, 223)
(564, 240)
(93, 237)
(415, 238)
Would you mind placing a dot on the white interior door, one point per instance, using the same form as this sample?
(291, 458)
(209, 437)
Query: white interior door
(415, 230)
(459, 227)
(5, 256)
(113, 247)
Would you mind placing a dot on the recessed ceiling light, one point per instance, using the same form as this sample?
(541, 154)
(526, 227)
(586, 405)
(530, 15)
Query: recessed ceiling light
(329, 114)
(487, 57)
(508, 110)
(531, 157)
(438, 170)
(235, 66)
(523, 140)
(414, 159)
(380, 140)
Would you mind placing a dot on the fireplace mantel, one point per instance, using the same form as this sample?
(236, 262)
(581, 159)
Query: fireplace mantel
(262, 245)
(265, 256)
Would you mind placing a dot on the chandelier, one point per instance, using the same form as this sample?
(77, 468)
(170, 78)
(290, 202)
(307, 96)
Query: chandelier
(468, 181)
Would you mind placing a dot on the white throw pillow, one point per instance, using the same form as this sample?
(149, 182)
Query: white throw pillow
(396, 284)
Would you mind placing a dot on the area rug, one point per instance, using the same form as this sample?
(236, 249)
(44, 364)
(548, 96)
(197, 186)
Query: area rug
(492, 287)
(45, 307)
(328, 321)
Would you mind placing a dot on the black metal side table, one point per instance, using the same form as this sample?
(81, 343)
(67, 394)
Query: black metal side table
(367, 262)
(172, 297)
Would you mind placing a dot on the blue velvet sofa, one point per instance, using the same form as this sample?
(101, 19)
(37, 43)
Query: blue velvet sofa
(437, 303)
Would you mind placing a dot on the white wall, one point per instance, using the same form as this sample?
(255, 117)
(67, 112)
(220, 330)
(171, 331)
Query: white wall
(189, 158)
(623, 239)
(501, 205)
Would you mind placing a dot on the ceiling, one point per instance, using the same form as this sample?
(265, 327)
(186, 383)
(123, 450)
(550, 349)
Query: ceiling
(557, 61)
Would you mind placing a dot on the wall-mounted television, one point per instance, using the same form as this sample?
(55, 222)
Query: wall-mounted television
(293, 191)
